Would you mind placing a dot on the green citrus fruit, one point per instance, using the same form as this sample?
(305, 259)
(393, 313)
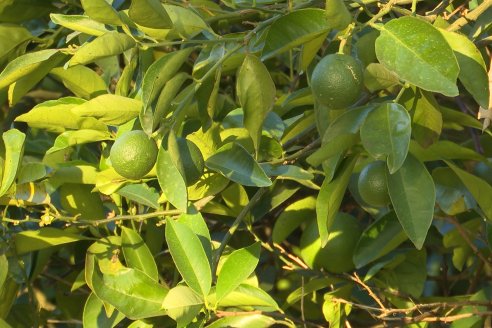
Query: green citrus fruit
(484, 170)
(337, 81)
(133, 154)
(372, 184)
(336, 256)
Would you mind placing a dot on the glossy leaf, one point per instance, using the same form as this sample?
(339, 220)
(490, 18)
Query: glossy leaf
(130, 291)
(186, 23)
(79, 23)
(189, 256)
(194, 220)
(237, 267)
(77, 137)
(137, 254)
(141, 193)
(182, 304)
(33, 240)
(294, 29)
(109, 44)
(480, 190)
(380, 238)
(31, 172)
(452, 197)
(149, 13)
(413, 196)
(110, 109)
(385, 134)
(81, 80)
(235, 163)
(101, 11)
(24, 65)
(418, 53)
(248, 295)
(95, 315)
(330, 198)
(378, 77)
(13, 141)
(253, 320)
(256, 93)
(57, 116)
(473, 72)
(170, 180)
(291, 172)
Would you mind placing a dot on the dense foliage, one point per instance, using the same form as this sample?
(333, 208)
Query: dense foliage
(252, 215)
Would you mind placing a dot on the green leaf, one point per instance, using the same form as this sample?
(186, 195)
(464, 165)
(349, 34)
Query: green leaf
(413, 196)
(187, 158)
(170, 180)
(95, 316)
(110, 109)
(150, 13)
(141, 193)
(256, 93)
(442, 150)
(292, 217)
(337, 15)
(480, 190)
(247, 295)
(109, 44)
(340, 135)
(452, 197)
(291, 172)
(81, 80)
(183, 305)
(186, 23)
(418, 53)
(101, 11)
(13, 141)
(194, 220)
(378, 77)
(57, 116)
(79, 23)
(330, 198)
(473, 72)
(33, 240)
(380, 238)
(385, 134)
(11, 37)
(130, 291)
(19, 11)
(137, 254)
(4, 269)
(24, 65)
(77, 137)
(252, 320)
(234, 162)
(237, 267)
(427, 119)
(294, 29)
(189, 256)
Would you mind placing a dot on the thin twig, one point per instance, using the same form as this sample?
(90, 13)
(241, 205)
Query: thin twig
(359, 281)
(470, 17)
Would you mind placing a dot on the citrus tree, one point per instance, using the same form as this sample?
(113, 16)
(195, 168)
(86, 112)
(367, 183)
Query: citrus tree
(237, 163)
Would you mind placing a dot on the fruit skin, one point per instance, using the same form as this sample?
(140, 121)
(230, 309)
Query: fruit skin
(133, 154)
(337, 81)
(372, 184)
(336, 256)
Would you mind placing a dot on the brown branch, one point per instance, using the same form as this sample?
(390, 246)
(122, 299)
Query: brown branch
(470, 17)
(466, 237)
(359, 281)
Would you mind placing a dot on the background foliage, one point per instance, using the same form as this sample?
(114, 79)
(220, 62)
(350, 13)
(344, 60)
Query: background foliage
(252, 175)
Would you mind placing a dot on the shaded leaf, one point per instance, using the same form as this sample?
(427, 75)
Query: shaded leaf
(137, 254)
(413, 196)
(141, 193)
(13, 141)
(95, 316)
(150, 13)
(182, 304)
(33, 240)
